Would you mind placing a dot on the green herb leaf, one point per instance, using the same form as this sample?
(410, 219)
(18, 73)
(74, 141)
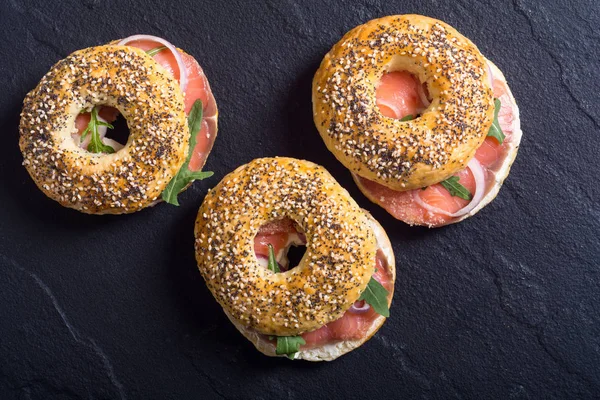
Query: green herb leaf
(376, 296)
(84, 134)
(199, 175)
(289, 345)
(155, 51)
(184, 175)
(273, 266)
(106, 124)
(96, 145)
(407, 117)
(99, 147)
(456, 189)
(495, 130)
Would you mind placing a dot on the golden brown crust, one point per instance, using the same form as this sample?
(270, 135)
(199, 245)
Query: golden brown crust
(499, 176)
(411, 154)
(332, 351)
(340, 248)
(134, 177)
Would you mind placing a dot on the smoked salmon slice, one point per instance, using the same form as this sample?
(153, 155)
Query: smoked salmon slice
(398, 95)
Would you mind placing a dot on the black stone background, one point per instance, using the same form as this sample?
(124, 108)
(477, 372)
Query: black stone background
(504, 305)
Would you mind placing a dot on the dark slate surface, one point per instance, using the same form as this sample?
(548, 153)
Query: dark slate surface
(504, 305)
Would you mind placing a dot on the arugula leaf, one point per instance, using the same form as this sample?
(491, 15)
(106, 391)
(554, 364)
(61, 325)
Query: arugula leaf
(184, 175)
(99, 147)
(84, 134)
(376, 296)
(155, 51)
(96, 145)
(495, 130)
(273, 266)
(456, 189)
(288, 345)
(407, 117)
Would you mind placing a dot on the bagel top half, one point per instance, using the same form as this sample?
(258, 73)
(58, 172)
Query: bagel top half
(147, 96)
(340, 250)
(403, 155)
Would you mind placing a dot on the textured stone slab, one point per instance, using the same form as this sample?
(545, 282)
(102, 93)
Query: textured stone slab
(504, 305)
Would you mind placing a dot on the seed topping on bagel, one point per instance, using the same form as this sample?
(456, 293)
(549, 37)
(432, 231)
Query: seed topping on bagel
(147, 97)
(346, 112)
(340, 250)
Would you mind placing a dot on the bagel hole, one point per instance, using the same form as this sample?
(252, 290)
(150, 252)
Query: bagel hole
(400, 94)
(121, 132)
(295, 254)
(288, 241)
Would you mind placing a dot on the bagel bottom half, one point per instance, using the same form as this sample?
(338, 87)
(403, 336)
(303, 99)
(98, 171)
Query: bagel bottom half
(330, 352)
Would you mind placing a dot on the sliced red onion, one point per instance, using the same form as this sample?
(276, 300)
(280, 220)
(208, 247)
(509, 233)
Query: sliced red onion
(359, 307)
(423, 95)
(478, 175)
(263, 260)
(178, 58)
(302, 237)
(490, 75)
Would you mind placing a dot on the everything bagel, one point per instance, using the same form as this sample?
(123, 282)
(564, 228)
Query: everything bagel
(403, 155)
(125, 78)
(339, 252)
(494, 160)
(337, 296)
(154, 86)
(426, 124)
